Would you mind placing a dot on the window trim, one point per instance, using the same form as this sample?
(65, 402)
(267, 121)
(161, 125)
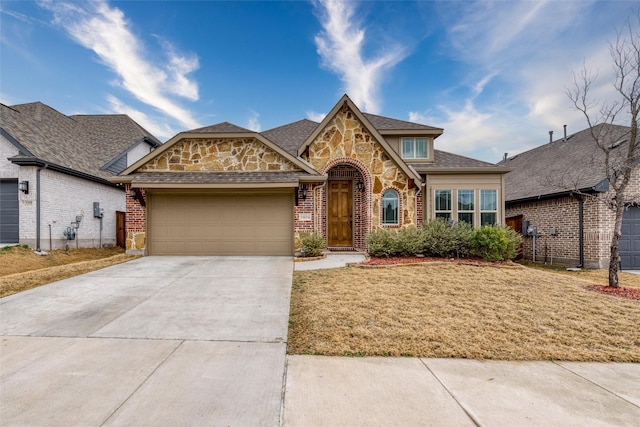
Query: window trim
(493, 211)
(398, 208)
(437, 211)
(414, 147)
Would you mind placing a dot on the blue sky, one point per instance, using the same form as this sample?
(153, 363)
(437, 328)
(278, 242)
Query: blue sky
(492, 74)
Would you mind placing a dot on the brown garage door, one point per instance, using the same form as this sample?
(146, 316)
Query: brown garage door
(220, 224)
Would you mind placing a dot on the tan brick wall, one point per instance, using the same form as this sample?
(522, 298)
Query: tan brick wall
(562, 213)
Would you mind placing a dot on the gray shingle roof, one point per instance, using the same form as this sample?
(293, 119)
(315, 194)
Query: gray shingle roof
(382, 123)
(216, 177)
(224, 127)
(84, 143)
(291, 136)
(559, 167)
(445, 160)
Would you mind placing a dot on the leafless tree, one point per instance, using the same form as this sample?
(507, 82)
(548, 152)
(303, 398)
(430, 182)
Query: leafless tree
(619, 156)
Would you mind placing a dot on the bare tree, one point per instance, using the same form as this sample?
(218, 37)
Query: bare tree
(620, 156)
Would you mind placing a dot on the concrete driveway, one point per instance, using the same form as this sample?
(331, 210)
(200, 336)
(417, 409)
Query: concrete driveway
(155, 341)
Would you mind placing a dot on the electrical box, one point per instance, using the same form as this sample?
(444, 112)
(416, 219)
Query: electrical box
(97, 212)
(532, 230)
(553, 231)
(525, 228)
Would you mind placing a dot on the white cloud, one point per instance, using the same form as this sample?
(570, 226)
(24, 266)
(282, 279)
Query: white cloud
(160, 131)
(106, 31)
(253, 123)
(340, 48)
(316, 117)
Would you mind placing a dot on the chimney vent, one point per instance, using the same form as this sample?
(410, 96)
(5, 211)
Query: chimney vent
(550, 136)
(505, 157)
(565, 133)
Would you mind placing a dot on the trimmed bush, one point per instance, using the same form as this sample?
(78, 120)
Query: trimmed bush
(382, 242)
(410, 241)
(312, 244)
(495, 243)
(462, 233)
(438, 238)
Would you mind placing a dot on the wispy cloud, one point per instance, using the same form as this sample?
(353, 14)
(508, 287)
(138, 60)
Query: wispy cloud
(106, 31)
(340, 46)
(316, 117)
(253, 123)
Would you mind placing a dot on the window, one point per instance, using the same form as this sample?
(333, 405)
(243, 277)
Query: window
(488, 207)
(443, 204)
(466, 205)
(414, 148)
(390, 207)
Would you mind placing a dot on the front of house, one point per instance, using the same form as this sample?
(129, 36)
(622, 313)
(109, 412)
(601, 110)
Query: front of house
(225, 190)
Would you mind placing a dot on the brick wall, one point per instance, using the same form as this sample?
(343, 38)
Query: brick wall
(136, 223)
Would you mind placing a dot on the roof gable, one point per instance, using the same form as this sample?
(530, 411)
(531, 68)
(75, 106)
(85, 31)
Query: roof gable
(345, 102)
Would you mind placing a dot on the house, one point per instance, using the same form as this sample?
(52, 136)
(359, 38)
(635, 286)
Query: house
(226, 190)
(54, 169)
(561, 189)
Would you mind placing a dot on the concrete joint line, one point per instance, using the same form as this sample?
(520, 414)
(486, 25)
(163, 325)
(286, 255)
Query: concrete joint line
(594, 383)
(143, 382)
(284, 387)
(468, 413)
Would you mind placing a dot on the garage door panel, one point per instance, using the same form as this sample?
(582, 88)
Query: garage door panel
(214, 224)
(630, 239)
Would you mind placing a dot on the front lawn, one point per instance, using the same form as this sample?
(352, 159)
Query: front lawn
(462, 311)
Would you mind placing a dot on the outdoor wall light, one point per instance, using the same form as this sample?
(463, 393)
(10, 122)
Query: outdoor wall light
(303, 188)
(24, 187)
(360, 186)
(134, 195)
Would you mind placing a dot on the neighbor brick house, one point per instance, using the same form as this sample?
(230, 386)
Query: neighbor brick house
(227, 190)
(54, 167)
(561, 188)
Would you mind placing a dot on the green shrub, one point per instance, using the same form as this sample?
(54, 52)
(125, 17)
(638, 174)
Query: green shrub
(495, 243)
(409, 241)
(438, 238)
(312, 244)
(462, 233)
(383, 242)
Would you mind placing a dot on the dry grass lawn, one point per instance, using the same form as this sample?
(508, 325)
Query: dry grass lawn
(461, 311)
(22, 269)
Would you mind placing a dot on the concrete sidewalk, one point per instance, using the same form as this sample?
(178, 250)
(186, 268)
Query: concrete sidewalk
(331, 260)
(339, 391)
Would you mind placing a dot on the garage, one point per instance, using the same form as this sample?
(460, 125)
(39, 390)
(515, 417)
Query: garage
(9, 211)
(220, 223)
(630, 239)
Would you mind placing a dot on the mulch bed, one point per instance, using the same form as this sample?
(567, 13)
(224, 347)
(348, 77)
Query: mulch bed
(628, 293)
(399, 260)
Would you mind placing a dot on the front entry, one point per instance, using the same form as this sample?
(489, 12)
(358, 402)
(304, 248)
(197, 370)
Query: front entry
(340, 214)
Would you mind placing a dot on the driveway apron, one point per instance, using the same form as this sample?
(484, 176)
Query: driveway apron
(155, 341)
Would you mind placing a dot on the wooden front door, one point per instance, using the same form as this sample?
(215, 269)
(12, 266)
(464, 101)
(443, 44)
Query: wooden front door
(340, 214)
(121, 232)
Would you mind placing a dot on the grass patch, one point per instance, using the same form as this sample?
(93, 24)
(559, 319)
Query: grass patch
(21, 269)
(460, 311)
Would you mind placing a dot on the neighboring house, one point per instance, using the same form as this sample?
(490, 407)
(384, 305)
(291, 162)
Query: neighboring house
(227, 190)
(53, 168)
(561, 188)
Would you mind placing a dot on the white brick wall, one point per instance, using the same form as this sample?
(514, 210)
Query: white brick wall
(64, 197)
(7, 169)
(138, 152)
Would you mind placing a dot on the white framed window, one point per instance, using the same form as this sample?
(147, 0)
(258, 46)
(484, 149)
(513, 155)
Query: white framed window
(488, 207)
(390, 202)
(415, 148)
(466, 205)
(443, 204)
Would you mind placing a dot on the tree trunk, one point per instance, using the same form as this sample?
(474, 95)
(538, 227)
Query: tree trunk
(614, 260)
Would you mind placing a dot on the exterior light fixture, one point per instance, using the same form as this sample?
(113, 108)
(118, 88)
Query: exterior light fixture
(134, 195)
(303, 188)
(24, 187)
(360, 186)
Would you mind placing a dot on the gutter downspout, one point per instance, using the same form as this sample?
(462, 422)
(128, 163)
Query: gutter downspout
(581, 230)
(38, 210)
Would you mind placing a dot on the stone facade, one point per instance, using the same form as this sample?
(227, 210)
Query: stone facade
(346, 147)
(219, 155)
(135, 224)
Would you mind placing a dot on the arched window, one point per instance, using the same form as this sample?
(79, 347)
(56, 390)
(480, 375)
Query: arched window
(390, 207)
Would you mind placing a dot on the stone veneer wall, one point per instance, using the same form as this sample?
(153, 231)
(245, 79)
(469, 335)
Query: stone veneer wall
(345, 141)
(135, 224)
(219, 155)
